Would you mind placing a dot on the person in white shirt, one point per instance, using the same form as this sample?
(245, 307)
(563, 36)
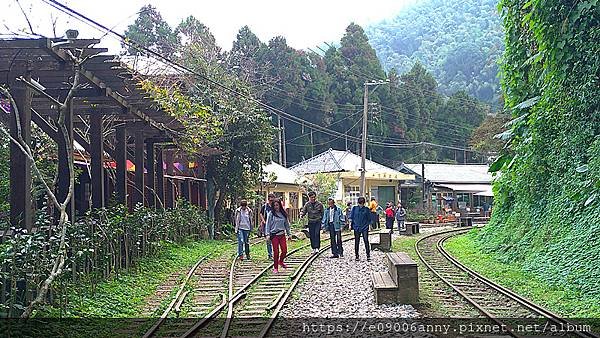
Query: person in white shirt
(244, 220)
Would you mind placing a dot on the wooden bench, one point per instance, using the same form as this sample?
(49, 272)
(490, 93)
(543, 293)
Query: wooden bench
(383, 241)
(410, 228)
(400, 285)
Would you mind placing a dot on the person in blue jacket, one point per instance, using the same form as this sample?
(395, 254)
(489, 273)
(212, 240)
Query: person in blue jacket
(361, 219)
(333, 221)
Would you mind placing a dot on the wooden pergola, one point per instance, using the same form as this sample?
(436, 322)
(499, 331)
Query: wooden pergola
(110, 116)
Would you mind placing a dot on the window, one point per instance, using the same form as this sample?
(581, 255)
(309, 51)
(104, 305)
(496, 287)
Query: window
(293, 200)
(352, 193)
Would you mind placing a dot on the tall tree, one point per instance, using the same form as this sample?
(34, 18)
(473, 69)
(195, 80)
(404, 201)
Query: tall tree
(150, 31)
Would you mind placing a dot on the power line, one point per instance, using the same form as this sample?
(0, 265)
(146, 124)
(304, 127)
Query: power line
(81, 17)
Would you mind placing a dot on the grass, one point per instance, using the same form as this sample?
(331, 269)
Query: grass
(567, 302)
(124, 296)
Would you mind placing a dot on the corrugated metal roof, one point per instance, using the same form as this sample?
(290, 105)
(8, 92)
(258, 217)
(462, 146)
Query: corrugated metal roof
(282, 174)
(453, 173)
(468, 187)
(338, 161)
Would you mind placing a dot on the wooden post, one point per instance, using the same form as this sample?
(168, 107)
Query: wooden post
(194, 193)
(185, 190)
(160, 178)
(20, 166)
(169, 185)
(97, 160)
(121, 159)
(203, 195)
(150, 166)
(138, 189)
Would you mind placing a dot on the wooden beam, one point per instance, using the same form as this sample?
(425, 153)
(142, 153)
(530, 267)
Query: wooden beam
(120, 157)
(20, 165)
(138, 189)
(97, 161)
(150, 166)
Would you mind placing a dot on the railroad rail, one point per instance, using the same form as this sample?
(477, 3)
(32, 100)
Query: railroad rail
(486, 298)
(201, 294)
(251, 294)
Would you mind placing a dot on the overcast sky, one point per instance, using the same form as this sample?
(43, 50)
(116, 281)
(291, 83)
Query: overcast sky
(304, 23)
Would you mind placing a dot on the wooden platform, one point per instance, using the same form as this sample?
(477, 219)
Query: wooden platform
(382, 241)
(411, 228)
(400, 285)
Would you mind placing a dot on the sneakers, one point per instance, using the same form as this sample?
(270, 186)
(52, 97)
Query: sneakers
(283, 265)
(270, 257)
(357, 259)
(315, 251)
(241, 258)
(368, 259)
(275, 270)
(341, 255)
(334, 256)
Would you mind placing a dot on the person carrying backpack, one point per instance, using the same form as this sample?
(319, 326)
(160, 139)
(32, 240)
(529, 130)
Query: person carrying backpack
(244, 222)
(400, 215)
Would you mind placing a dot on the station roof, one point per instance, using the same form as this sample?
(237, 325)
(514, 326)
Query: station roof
(446, 174)
(332, 161)
(282, 174)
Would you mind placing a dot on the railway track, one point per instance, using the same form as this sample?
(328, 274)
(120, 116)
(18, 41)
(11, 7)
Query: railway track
(233, 297)
(201, 294)
(468, 292)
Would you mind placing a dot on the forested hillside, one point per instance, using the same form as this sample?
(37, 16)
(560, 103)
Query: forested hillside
(327, 90)
(460, 41)
(547, 198)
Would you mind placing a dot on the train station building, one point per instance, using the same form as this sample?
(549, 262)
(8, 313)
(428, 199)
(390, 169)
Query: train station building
(382, 182)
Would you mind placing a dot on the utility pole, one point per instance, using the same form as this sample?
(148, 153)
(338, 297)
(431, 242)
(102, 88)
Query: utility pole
(423, 185)
(280, 149)
(363, 151)
(312, 147)
(284, 148)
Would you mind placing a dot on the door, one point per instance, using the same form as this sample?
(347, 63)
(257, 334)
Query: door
(386, 194)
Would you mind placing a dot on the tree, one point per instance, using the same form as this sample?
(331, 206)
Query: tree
(484, 138)
(59, 199)
(323, 184)
(150, 31)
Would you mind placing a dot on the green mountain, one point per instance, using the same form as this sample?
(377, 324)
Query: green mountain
(459, 41)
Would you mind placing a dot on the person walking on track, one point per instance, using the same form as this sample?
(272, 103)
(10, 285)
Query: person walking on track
(347, 214)
(264, 210)
(389, 216)
(314, 210)
(400, 215)
(374, 216)
(361, 219)
(277, 228)
(333, 221)
(243, 225)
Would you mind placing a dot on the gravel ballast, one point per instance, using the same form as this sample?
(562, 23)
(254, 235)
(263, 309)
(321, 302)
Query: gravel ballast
(342, 288)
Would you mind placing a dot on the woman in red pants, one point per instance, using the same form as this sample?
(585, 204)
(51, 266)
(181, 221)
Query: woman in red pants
(276, 228)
